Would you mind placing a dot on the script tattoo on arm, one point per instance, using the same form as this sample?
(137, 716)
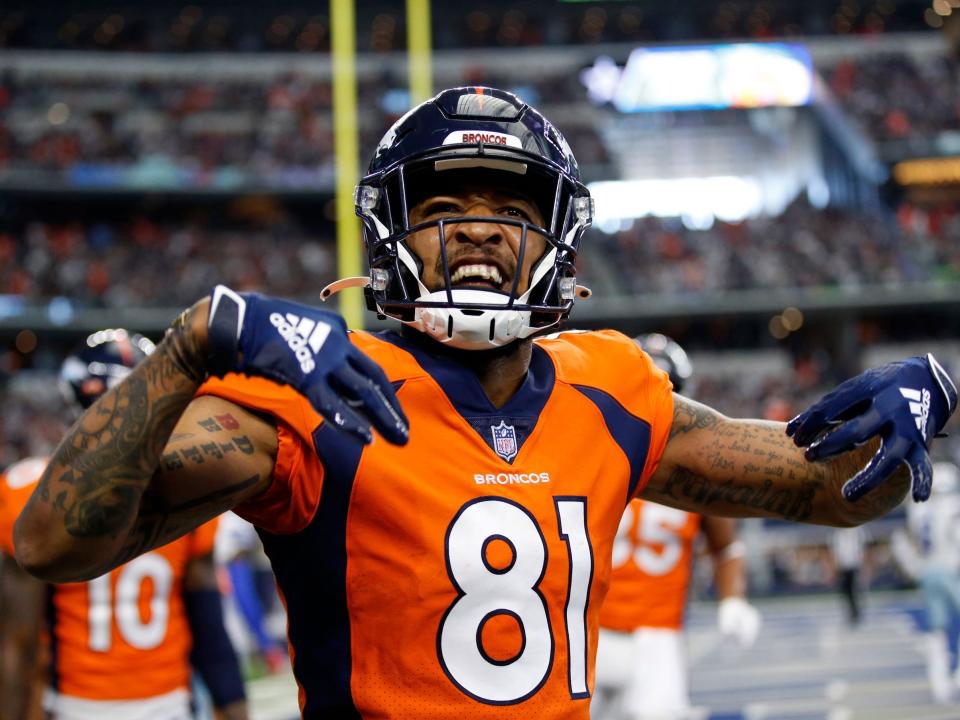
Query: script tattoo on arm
(717, 465)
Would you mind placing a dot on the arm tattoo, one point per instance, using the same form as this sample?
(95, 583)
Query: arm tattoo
(791, 503)
(749, 468)
(689, 416)
(98, 474)
(160, 522)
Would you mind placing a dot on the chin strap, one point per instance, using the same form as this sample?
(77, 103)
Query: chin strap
(337, 285)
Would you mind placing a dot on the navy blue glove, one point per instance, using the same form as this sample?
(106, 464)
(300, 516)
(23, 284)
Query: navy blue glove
(906, 403)
(309, 350)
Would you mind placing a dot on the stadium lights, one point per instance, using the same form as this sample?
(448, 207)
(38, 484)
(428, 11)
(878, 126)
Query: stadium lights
(928, 171)
(740, 75)
(790, 320)
(700, 200)
(942, 8)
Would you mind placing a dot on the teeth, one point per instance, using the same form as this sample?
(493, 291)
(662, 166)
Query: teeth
(483, 272)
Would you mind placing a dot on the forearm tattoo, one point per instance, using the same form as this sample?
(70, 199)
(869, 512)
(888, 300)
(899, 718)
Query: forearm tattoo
(160, 522)
(746, 468)
(765, 496)
(182, 348)
(101, 468)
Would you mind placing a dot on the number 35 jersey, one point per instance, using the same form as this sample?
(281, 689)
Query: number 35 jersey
(124, 635)
(459, 576)
(652, 563)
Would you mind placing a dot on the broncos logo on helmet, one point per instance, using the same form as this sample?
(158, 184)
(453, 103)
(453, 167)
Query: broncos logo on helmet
(98, 363)
(489, 137)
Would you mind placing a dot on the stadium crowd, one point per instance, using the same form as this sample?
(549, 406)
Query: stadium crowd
(196, 132)
(275, 131)
(146, 261)
(895, 97)
(803, 247)
(212, 28)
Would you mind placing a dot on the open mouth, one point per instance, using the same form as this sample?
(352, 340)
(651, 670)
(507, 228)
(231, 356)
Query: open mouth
(478, 275)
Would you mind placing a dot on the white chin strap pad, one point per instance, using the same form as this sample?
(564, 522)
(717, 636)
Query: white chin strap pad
(472, 329)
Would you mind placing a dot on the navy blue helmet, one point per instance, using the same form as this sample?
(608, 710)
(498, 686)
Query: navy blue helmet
(668, 356)
(472, 136)
(98, 363)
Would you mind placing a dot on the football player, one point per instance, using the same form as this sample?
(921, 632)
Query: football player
(641, 668)
(120, 644)
(929, 551)
(237, 550)
(454, 566)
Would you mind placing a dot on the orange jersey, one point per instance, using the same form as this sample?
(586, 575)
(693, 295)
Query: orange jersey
(124, 635)
(461, 576)
(652, 558)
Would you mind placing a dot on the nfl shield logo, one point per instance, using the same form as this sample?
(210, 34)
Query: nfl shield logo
(504, 440)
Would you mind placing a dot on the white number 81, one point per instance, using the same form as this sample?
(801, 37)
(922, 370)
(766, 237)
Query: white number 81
(486, 592)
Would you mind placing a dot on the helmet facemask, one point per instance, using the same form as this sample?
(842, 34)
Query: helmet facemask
(470, 317)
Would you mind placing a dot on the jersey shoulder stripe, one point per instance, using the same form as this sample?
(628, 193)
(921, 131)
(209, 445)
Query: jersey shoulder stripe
(633, 394)
(399, 364)
(605, 359)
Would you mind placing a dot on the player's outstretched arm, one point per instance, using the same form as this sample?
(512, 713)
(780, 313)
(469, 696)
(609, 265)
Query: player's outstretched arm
(847, 459)
(717, 465)
(123, 481)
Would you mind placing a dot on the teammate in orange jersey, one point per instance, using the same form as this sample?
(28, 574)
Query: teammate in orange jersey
(120, 644)
(454, 567)
(641, 668)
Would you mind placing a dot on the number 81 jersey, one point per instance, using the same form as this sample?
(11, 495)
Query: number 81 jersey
(459, 576)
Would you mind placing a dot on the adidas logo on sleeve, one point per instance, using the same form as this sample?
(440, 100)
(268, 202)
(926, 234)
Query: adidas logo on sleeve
(303, 335)
(919, 402)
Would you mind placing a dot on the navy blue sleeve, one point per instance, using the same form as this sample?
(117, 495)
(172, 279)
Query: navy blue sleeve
(213, 655)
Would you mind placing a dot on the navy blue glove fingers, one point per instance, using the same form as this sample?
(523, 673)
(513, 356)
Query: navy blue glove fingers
(832, 409)
(907, 403)
(883, 462)
(921, 472)
(310, 350)
(892, 452)
(807, 425)
(370, 399)
(849, 434)
(368, 367)
(338, 412)
(847, 400)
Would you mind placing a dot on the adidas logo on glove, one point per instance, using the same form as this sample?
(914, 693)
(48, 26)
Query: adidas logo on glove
(303, 335)
(919, 402)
